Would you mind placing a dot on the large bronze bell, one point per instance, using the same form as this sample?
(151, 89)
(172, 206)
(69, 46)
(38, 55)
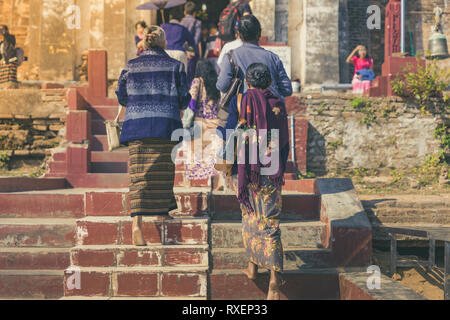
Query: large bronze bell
(437, 46)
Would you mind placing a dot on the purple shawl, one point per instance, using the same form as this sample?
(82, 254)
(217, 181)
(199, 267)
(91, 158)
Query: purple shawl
(257, 109)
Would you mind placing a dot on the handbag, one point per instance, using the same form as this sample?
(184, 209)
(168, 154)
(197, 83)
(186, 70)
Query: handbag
(113, 131)
(234, 89)
(230, 145)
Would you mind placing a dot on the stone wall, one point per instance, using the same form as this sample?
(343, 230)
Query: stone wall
(399, 137)
(31, 121)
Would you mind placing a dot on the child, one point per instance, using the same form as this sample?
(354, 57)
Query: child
(361, 60)
(212, 48)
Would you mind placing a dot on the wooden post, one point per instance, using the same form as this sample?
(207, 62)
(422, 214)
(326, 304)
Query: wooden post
(393, 254)
(431, 254)
(447, 271)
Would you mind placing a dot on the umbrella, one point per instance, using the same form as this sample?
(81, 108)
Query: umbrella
(160, 5)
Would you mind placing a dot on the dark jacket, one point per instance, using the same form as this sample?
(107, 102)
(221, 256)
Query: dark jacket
(8, 48)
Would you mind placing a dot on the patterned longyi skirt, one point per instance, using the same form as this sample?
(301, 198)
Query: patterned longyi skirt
(261, 232)
(152, 174)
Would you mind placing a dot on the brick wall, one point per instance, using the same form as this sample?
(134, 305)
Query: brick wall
(399, 137)
(25, 135)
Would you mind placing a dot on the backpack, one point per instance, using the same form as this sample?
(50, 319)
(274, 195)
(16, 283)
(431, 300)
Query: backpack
(20, 54)
(227, 22)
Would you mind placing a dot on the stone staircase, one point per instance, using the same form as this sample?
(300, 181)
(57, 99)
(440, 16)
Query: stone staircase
(68, 235)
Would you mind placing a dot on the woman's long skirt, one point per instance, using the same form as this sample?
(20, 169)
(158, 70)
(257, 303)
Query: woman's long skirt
(261, 232)
(202, 162)
(360, 86)
(152, 174)
(8, 75)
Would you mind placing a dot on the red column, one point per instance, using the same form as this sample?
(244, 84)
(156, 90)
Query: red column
(392, 35)
(98, 74)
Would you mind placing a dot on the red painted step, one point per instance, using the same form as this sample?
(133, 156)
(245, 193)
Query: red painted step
(105, 112)
(295, 206)
(43, 204)
(140, 282)
(34, 258)
(99, 143)
(132, 256)
(98, 127)
(31, 284)
(117, 230)
(99, 180)
(106, 156)
(300, 285)
(57, 233)
(109, 167)
(19, 184)
(294, 258)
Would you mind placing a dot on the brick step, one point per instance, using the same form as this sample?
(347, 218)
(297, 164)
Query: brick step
(133, 298)
(63, 203)
(109, 167)
(106, 156)
(294, 258)
(405, 201)
(140, 282)
(99, 180)
(380, 234)
(58, 233)
(305, 234)
(99, 143)
(117, 230)
(399, 215)
(57, 167)
(34, 258)
(294, 206)
(132, 256)
(31, 284)
(300, 285)
(16, 184)
(98, 127)
(103, 113)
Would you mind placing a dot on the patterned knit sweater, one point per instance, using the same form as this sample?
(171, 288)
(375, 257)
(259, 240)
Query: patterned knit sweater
(153, 88)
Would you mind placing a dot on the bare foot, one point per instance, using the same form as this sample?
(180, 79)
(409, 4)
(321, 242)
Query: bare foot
(252, 271)
(138, 237)
(276, 282)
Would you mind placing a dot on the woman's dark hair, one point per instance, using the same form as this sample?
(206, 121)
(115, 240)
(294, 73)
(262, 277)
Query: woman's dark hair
(249, 28)
(140, 23)
(258, 76)
(206, 71)
(176, 13)
(4, 29)
(189, 7)
(367, 55)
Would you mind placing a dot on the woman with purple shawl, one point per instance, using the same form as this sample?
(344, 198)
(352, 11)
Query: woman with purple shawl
(260, 180)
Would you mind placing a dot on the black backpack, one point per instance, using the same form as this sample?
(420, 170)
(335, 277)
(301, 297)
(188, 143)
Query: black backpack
(227, 22)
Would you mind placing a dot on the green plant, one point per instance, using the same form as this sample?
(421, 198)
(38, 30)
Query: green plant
(441, 133)
(358, 103)
(422, 85)
(308, 175)
(4, 160)
(320, 111)
(335, 144)
(363, 105)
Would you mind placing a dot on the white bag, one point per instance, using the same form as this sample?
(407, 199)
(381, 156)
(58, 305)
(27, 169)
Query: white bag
(113, 130)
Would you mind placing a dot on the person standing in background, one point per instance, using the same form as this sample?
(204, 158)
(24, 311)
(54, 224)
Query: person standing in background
(361, 60)
(195, 28)
(212, 48)
(177, 37)
(8, 59)
(140, 28)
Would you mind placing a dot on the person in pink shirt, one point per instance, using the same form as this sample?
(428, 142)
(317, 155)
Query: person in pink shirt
(361, 60)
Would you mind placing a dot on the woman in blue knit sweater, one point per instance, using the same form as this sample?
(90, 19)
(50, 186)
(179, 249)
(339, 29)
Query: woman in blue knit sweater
(153, 88)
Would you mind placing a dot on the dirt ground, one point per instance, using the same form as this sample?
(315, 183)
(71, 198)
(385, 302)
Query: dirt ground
(428, 283)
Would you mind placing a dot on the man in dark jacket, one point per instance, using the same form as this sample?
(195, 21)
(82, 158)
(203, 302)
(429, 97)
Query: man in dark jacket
(7, 45)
